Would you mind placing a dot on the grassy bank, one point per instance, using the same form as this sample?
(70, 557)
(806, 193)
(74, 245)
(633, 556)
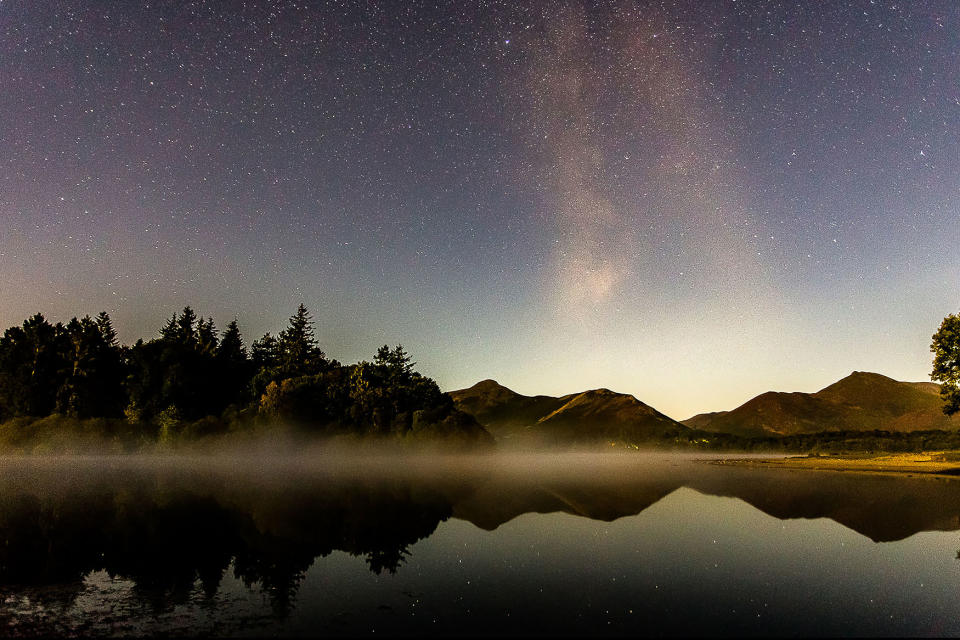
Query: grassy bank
(941, 463)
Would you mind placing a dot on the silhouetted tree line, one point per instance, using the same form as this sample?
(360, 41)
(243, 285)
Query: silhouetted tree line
(193, 380)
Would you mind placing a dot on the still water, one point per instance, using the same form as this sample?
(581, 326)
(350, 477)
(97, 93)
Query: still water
(497, 544)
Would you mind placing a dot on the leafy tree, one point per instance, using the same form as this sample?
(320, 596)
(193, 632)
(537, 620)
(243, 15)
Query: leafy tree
(168, 422)
(383, 396)
(366, 395)
(946, 362)
(320, 402)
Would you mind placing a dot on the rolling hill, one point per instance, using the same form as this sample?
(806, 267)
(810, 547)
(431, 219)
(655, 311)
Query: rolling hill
(860, 402)
(599, 415)
(501, 410)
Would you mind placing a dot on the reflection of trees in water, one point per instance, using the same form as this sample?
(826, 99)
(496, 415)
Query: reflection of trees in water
(176, 535)
(171, 541)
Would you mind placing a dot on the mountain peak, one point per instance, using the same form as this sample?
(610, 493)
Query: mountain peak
(857, 384)
(862, 401)
(489, 383)
(601, 392)
(867, 375)
(594, 415)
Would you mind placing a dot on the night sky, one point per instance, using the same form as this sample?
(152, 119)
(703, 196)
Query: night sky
(693, 202)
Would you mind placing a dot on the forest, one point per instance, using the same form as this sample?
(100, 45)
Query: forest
(61, 384)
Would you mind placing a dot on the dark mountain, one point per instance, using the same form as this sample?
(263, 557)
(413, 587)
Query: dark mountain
(860, 402)
(703, 420)
(502, 411)
(593, 416)
(603, 414)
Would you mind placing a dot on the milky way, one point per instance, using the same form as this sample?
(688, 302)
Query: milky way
(693, 202)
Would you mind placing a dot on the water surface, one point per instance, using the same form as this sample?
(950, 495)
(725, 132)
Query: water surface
(552, 544)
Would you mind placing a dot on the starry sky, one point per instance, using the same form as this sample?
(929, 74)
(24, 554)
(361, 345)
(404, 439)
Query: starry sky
(692, 202)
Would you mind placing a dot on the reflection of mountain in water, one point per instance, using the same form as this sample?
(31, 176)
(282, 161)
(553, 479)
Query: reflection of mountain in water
(170, 529)
(884, 508)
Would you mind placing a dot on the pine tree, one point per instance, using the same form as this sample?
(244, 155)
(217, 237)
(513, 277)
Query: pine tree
(298, 350)
(401, 362)
(169, 331)
(234, 369)
(206, 336)
(106, 329)
(397, 363)
(186, 327)
(265, 352)
(231, 347)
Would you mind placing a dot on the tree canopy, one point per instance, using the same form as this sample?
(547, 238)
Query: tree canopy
(946, 362)
(192, 377)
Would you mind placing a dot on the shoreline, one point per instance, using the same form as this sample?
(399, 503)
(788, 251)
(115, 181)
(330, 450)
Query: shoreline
(944, 464)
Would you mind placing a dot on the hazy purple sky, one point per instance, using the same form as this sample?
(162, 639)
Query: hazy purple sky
(692, 202)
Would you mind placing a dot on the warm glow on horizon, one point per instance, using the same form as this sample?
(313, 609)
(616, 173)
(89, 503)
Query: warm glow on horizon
(689, 202)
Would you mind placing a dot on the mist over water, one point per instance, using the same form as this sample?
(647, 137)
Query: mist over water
(290, 538)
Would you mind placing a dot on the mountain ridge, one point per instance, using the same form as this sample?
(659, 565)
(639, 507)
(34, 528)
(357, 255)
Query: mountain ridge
(861, 401)
(593, 415)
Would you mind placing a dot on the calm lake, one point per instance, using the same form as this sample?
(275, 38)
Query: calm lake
(317, 543)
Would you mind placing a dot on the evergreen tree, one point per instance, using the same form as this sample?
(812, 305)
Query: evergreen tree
(234, 369)
(106, 329)
(177, 371)
(186, 327)
(169, 330)
(264, 353)
(397, 363)
(231, 349)
(265, 362)
(111, 370)
(206, 336)
(298, 350)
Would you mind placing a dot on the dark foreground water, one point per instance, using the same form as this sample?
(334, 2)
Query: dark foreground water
(549, 544)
